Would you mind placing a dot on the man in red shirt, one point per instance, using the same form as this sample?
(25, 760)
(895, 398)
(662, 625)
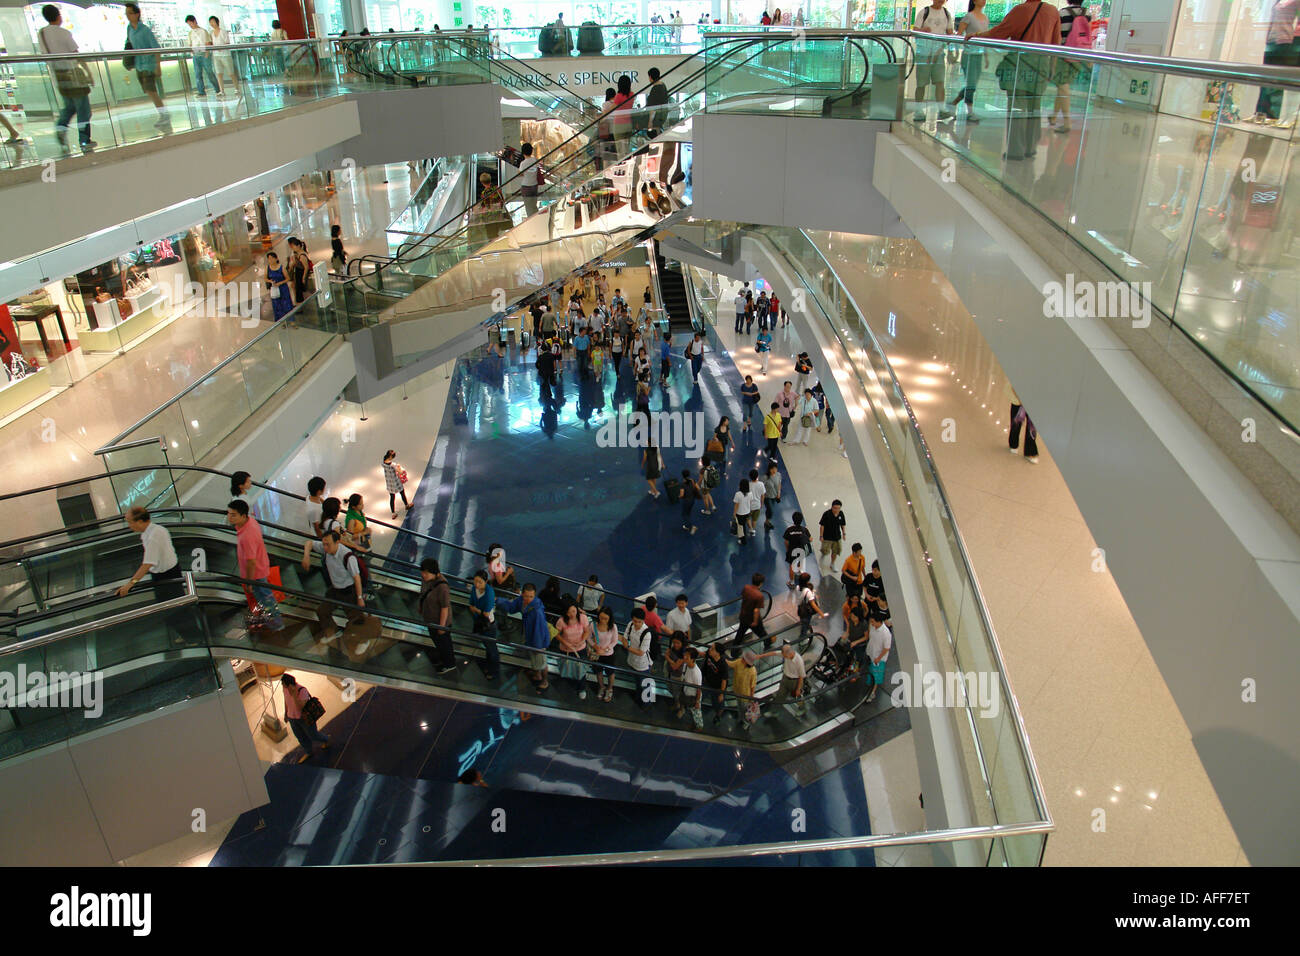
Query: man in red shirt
(253, 562)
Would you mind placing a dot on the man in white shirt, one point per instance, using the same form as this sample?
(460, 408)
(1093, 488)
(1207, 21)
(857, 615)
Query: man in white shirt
(200, 40)
(740, 310)
(636, 641)
(679, 618)
(879, 641)
(311, 515)
(72, 78)
(793, 673)
(591, 595)
(931, 56)
(528, 170)
(159, 562)
(343, 587)
(692, 678)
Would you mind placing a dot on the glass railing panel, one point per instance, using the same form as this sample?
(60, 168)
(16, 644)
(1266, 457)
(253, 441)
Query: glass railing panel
(212, 408)
(1166, 175)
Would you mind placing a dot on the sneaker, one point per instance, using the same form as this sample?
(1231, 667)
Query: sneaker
(582, 695)
(164, 122)
(1014, 451)
(89, 144)
(1032, 459)
(871, 696)
(445, 669)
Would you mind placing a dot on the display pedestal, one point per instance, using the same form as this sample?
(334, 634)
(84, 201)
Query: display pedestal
(14, 395)
(149, 308)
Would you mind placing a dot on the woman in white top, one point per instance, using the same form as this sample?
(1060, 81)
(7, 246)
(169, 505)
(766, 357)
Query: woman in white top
(603, 638)
(974, 23)
(222, 60)
(805, 411)
(756, 492)
(740, 508)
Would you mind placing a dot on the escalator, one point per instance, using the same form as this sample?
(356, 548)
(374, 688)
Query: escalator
(59, 612)
(672, 293)
(580, 177)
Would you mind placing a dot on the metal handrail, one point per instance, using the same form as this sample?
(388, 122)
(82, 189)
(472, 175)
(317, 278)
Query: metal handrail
(112, 444)
(969, 566)
(688, 854)
(190, 597)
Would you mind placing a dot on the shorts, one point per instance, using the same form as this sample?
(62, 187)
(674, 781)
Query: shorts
(877, 672)
(664, 366)
(832, 548)
(930, 70)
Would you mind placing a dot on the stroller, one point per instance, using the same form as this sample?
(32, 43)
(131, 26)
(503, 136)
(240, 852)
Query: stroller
(832, 664)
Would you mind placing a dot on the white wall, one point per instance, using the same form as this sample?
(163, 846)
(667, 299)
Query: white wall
(105, 796)
(790, 171)
(1209, 570)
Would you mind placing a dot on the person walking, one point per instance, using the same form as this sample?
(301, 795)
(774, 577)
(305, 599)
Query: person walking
(537, 635)
(435, 610)
(139, 36)
(807, 416)
(695, 352)
(159, 562)
(657, 95)
(740, 512)
(771, 492)
(528, 178)
(831, 532)
(342, 585)
(302, 720)
(691, 493)
(879, 640)
(753, 602)
(72, 78)
(786, 399)
(394, 481)
(665, 359)
(222, 60)
(652, 464)
(853, 572)
(1020, 419)
(772, 423)
(749, 401)
(932, 56)
(806, 606)
(253, 563)
(200, 40)
(803, 366)
(741, 301)
(793, 674)
(708, 478)
(692, 687)
(798, 542)
(763, 346)
(1030, 21)
(974, 23)
(338, 256)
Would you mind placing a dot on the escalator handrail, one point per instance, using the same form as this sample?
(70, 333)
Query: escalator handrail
(762, 48)
(85, 526)
(417, 635)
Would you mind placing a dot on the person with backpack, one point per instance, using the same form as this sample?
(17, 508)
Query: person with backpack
(710, 478)
(343, 586)
(932, 57)
(798, 542)
(1076, 32)
(806, 606)
(636, 641)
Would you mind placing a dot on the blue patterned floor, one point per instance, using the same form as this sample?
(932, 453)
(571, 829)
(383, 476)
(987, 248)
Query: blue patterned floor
(564, 786)
(507, 469)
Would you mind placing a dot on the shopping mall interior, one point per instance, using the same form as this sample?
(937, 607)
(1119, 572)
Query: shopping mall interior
(845, 442)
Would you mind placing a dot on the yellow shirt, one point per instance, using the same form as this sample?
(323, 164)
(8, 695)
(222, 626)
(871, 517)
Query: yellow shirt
(744, 678)
(771, 425)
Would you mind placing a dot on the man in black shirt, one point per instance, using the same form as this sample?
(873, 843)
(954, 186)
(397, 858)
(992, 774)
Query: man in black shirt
(546, 370)
(715, 670)
(798, 542)
(657, 95)
(873, 588)
(832, 531)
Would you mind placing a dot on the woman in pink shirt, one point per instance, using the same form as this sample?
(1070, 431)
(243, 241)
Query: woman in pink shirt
(602, 643)
(295, 696)
(573, 633)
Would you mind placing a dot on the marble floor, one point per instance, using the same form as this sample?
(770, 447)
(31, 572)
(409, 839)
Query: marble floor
(1102, 724)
